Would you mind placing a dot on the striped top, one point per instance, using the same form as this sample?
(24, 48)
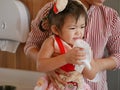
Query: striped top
(102, 30)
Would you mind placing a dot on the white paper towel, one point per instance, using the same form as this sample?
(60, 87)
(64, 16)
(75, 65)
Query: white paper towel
(14, 24)
(9, 45)
(85, 45)
(82, 44)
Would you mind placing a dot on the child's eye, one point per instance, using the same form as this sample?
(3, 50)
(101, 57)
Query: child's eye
(72, 28)
(82, 26)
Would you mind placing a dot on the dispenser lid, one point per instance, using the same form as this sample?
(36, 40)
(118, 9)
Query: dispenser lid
(14, 20)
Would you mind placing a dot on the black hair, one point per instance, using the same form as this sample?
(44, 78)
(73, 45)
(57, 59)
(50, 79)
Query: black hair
(73, 8)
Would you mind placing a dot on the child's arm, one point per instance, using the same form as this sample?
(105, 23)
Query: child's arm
(45, 61)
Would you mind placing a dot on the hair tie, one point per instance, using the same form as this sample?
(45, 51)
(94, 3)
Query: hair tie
(59, 5)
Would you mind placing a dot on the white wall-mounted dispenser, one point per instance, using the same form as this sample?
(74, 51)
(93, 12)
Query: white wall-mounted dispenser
(14, 20)
(14, 24)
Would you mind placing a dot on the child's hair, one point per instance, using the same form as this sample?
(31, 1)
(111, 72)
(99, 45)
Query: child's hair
(73, 8)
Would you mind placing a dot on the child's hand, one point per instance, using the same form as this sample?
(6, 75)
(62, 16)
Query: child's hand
(75, 55)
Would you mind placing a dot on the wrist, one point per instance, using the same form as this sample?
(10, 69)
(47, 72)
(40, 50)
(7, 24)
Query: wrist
(106, 64)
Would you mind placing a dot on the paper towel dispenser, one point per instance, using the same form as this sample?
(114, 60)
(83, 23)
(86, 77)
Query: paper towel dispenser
(14, 20)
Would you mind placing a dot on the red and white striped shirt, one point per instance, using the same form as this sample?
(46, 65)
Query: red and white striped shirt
(102, 31)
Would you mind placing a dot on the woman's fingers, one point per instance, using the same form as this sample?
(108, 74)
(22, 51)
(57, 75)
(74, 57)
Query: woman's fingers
(51, 77)
(55, 79)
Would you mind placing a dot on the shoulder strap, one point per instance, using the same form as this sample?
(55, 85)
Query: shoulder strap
(60, 44)
(67, 67)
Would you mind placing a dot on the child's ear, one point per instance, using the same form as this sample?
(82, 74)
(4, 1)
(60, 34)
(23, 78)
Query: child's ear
(54, 29)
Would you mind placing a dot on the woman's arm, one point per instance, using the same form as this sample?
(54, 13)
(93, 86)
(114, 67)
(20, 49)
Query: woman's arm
(98, 66)
(113, 46)
(36, 37)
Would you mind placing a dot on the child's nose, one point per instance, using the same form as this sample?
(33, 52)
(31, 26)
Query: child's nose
(78, 32)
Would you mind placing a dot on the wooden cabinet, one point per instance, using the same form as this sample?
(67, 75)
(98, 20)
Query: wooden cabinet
(18, 60)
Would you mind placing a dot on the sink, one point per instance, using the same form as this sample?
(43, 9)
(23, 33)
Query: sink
(21, 79)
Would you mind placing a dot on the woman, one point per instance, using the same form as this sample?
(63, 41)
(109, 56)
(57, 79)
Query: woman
(102, 31)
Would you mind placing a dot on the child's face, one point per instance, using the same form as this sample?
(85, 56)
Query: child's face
(72, 30)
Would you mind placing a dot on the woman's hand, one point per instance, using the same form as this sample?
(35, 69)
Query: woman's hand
(53, 77)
